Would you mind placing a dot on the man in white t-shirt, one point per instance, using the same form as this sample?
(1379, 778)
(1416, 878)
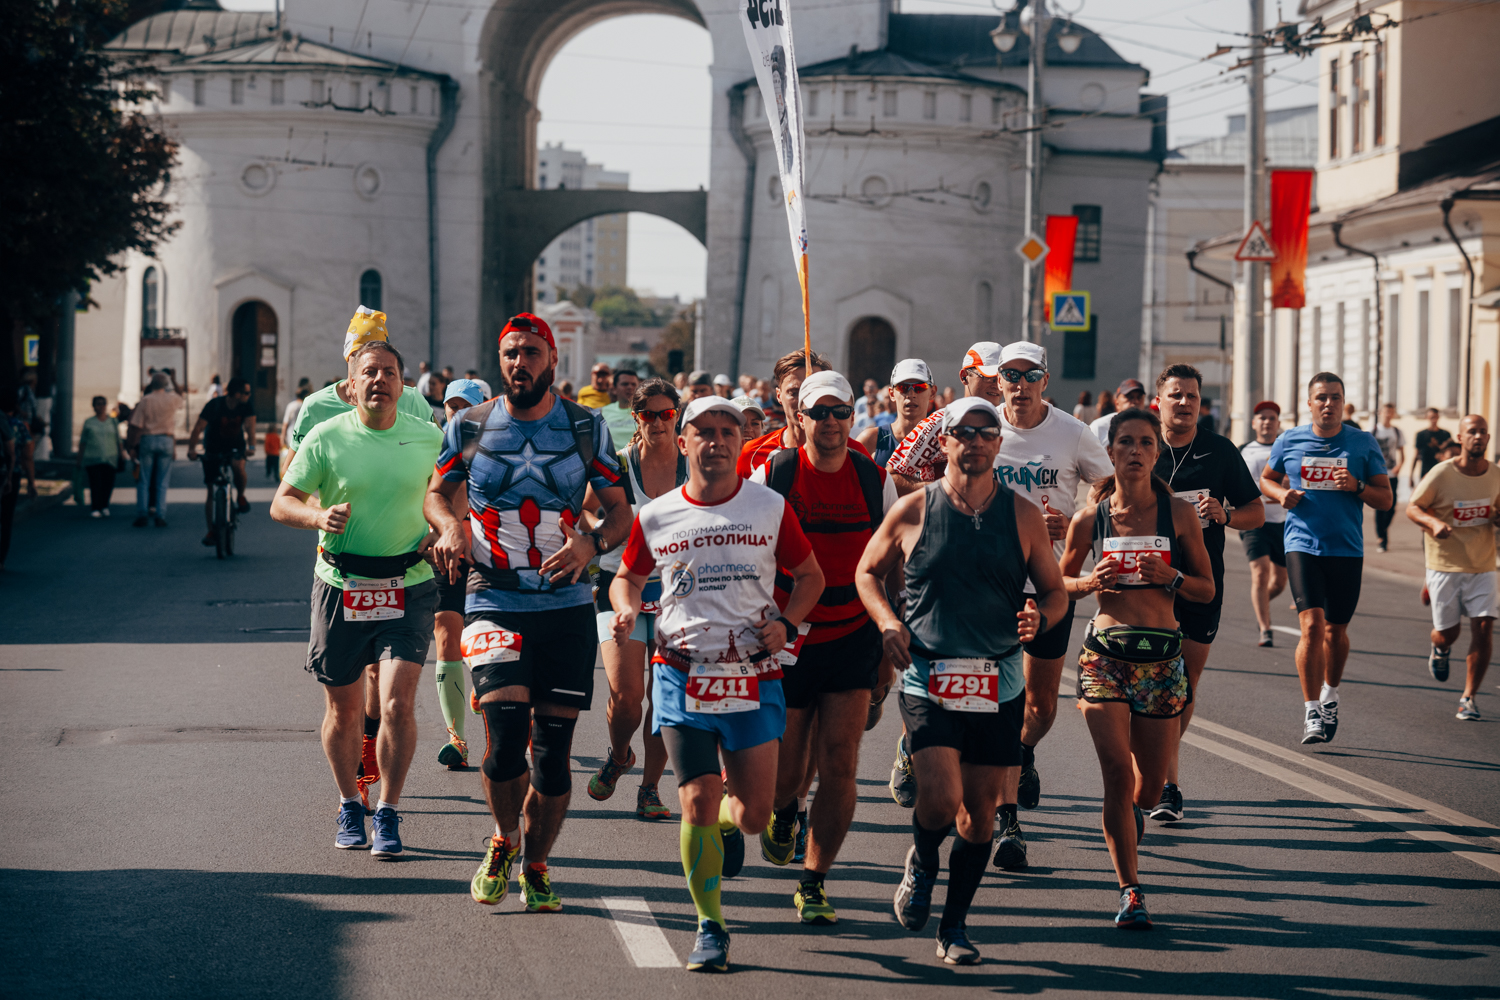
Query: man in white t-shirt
(1131, 393)
(1393, 446)
(1265, 546)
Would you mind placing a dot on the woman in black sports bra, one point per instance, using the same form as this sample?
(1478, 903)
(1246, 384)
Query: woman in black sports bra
(1147, 547)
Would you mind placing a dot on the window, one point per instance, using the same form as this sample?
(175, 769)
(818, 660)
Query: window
(150, 302)
(890, 104)
(1455, 342)
(1086, 244)
(1315, 345)
(278, 90)
(237, 91)
(929, 105)
(354, 93)
(198, 89)
(1424, 305)
(996, 108)
(1366, 359)
(543, 183)
(1393, 352)
(1379, 123)
(812, 103)
(966, 107)
(1338, 344)
(319, 92)
(370, 289)
(1333, 109)
(1357, 102)
(850, 100)
(1079, 348)
(413, 100)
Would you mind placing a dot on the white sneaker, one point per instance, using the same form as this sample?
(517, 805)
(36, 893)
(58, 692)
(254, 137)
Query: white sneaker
(105, 512)
(1467, 710)
(96, 514)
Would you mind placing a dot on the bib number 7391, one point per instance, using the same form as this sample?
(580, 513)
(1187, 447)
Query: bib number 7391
(721, 688)
(970, 685)
(373, 600)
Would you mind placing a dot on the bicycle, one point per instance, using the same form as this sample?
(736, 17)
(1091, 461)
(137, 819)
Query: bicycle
(226, 514)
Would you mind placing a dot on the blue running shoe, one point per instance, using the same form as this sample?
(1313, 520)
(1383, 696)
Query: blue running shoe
(351, 835)
(387, 841)
(1133, 915)
(800, 851)
(710, 949)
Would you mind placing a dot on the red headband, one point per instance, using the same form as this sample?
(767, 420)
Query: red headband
(528, 323)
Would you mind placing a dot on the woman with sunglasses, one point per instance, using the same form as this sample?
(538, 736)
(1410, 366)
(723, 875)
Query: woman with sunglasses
(653, 466)
(1132, 682)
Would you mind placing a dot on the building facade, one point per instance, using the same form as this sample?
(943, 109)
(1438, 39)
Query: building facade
(595, 251)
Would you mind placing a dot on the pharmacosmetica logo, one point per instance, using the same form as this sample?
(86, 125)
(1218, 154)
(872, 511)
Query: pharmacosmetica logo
(682, 579)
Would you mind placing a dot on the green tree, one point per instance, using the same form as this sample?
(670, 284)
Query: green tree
(619, 306)
(678, 336)
(582, 295)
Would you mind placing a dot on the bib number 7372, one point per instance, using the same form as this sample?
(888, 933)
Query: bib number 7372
(722, 688)
(970, 685)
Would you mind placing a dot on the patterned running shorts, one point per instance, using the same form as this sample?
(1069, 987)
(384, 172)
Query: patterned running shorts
(1154, 690)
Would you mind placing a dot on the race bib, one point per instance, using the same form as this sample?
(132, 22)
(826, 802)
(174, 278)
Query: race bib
(1317, 473)
(373, 600)
(485, 642)
(790, 652)
(651, 597)
(1470, 512)
(971, 685)
(722, 688)
(1128, 552)
(1195, 497)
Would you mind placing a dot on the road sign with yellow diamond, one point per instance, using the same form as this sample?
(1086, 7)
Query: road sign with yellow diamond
(1032, 249)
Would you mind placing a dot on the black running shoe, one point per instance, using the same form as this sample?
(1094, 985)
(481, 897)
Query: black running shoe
(1437, 664)
(913, 903)
(1312, 729)
(1010, 855)
(954, 947)
(1029, 791)
(1329, 710)
(734, 852)
(1169, 809)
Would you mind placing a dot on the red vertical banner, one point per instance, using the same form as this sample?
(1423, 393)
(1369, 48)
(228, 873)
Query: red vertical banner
(1291, 201)
(1062, 230)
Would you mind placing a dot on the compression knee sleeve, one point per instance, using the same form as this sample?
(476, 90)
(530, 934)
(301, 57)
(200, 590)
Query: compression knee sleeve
(507, 726)
(551, 740)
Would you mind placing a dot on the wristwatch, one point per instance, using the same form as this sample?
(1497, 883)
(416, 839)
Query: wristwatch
(1176, 582)
(1359, 486)
(791, 630)
(599, 546)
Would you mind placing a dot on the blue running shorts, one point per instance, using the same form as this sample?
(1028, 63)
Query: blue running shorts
(735, 730)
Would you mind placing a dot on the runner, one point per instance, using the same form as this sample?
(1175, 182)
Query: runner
(718, 687)
(1132, 682)
(598, 393)
(1456, 505)
(1044, 455)
(755, 416)
(1429, 441)
(528, 457)
(373, 596)
(1393, 449)
(1207, 471)
(1131, 394)
(653, 466)
(618, 415)
(1323, 474)
(448, 625)
(966, 543)
(1265, 547)
(230, 422)
(911, 398)
(840, 498)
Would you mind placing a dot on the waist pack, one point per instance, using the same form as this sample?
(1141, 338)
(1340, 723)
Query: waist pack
(1134, 643)
(371, 567)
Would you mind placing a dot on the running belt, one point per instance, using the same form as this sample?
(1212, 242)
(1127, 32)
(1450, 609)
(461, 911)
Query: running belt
(1134, 643)
(370, 567)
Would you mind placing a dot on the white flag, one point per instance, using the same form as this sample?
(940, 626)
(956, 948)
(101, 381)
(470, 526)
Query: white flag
(768, 33)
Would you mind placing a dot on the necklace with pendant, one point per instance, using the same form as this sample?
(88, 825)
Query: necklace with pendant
(973, 513)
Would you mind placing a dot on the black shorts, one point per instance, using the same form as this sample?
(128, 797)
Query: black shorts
(451, 595)
(1267, 540)
(601, 593)
(984, 738)
(557, 655)
(1200, 622)
(847, 664)
(1327, 582)
(339, 650)
(213, 459)
(1052, 643)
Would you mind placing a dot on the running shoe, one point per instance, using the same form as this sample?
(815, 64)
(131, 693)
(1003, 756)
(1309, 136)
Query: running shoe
(1133, 915)
(210, 540)
(954, 947)
(777, 845)
(1010, 854)
(491, 882)
(244, 505)
(1140, 824)
(802, 829)
(1437, 664)
(351, 835)
(903, 781)
(1426, 598)
(474, 703)
(602, 784)
(710, 948)
(1029, 788)
(455, 754)
(1169, 809)
(537, 887)
(386, 842)
(1467, 710)
(1329, 710)
(140, 522)
(1383, 547)
(913, 903)
(1312, 729)
(734, 851)
(648, 804)
(813, 906)
(1267, 638)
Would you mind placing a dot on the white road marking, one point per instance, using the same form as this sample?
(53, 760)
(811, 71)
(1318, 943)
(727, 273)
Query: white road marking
(644, 940)
(1287, 629)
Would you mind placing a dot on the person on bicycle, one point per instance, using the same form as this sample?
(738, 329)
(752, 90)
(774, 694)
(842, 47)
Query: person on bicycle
(230, 422)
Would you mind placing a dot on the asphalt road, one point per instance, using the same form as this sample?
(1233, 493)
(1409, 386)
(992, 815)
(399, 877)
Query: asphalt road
(168, 819)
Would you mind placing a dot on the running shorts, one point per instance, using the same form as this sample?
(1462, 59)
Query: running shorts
(1327, 582)
(989, 739)
(1267, 540)
(451, 595)
(1199, 622)
(735, 730)
(339, 650)
(1054, 642)
(1455, 595)
(557, 650)
(601, 591)
(849, 663)
(1156, 690)
(644, 631)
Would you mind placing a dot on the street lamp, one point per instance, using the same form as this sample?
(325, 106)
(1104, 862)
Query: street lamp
(1035, 20)
(1068, 40)
(1004, 36)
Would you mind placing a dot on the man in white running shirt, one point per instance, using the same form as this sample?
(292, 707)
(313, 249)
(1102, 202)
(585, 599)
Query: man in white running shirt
(1265, 546)
(1130, 394)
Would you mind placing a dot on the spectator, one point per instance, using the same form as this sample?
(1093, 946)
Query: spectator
(747, 385)
(596, 395)
(215, 387)
(887, 413)
(722, 385)
(1130, 394)
(1429, 441)
(18, 450)
(863, 414)
(700, 384)
(679, 382)
(447, 374)
(1393, 447)
(153, 430)
(947, 395)
(437, 386)
(1206, 421)
(1106, 403)
(294, 405)
(273, 452)
(99, 456)
(424, 377)
(565, 389)
(763, 392)
(1349, 416)
(26, 402)
(619, 416)
(1084, 410)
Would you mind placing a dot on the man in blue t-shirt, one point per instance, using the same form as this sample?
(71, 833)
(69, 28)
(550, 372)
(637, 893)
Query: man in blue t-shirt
(527, 458)
(1324, 474)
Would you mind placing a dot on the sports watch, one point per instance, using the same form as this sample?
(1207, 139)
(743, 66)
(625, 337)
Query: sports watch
(791, 630)
(599, 546)
(1176, 582)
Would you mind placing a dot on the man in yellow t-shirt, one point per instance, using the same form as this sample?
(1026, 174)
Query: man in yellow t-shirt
(596, 395)
(1457, 505)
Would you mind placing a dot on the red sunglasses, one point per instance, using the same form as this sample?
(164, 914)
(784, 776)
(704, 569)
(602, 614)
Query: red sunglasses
(666, 416)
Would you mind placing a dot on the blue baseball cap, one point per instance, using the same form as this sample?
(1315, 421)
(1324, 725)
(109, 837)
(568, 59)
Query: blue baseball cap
(467, 388)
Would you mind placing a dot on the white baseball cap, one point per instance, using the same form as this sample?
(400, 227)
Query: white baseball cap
(1024, 351)
(954, 413)
(985, 356)
(747, 404)
(910, 370)
(820, 384)
(722, 379)
(704, 404)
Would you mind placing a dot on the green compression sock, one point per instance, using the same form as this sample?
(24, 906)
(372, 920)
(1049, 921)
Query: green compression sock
(450, 684)
(703, 864)
(726, 822)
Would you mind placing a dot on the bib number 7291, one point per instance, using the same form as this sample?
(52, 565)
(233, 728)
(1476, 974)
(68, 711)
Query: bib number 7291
(969, 685)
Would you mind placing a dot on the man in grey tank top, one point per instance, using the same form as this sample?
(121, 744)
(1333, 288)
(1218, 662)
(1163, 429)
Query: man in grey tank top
(969, 546)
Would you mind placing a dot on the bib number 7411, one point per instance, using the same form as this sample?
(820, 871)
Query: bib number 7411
(721, 688)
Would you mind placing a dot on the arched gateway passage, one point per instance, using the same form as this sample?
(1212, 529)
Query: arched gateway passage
(520, 41)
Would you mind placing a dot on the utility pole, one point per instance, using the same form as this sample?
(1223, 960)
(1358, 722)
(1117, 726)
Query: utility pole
(1255, 205)
(1033, 277)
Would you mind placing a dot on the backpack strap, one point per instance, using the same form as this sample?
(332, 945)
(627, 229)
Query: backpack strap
(1101, 528)
(581, 419)
(781, 471)
(472, 427)
(871, 486)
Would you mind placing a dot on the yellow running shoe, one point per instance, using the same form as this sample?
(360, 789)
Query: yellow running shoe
(491, 882)
(537, 886)
(777, 845)
(813, 906)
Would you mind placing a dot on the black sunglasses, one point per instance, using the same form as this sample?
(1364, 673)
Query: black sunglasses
(1013, 376)
(842, 411)
(967, 432)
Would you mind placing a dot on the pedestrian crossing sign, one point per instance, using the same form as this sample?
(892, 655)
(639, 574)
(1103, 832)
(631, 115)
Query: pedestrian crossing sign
(1070, 311)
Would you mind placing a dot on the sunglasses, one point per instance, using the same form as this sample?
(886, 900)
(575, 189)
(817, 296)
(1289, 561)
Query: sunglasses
(665, 416)
(842, 411)
(1013, 376)
(968, 433)
(912, 388)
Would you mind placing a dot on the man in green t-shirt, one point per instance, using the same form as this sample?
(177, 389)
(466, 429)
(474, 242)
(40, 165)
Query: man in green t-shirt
(619, 417)
(373, 596)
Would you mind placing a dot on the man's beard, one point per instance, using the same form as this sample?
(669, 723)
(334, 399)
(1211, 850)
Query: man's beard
(525, 399)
